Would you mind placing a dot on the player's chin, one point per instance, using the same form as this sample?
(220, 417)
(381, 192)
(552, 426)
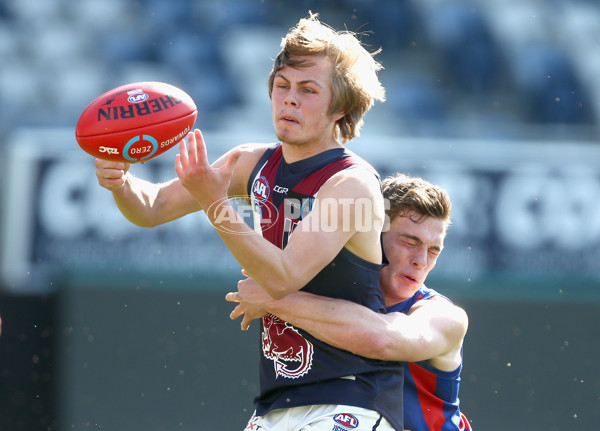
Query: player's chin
(284, 135)
(286, 127)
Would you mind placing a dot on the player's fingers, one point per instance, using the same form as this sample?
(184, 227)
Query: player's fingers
(109, 173)
(236, 312)
(192, 150)
(245, 323)
(181, 160)
(110, 169)
(231, 161)
(178, 166)
(111, 179)
(200, 147)
(104, 164)
(111, 164)
(183, 153)
(232, 297)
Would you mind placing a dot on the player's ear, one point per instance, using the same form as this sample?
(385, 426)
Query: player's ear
(339, 115)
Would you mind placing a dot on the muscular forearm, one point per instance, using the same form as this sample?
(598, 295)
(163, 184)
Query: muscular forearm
(431, 331)
(341, 323)
(135, 200)
(147, 205)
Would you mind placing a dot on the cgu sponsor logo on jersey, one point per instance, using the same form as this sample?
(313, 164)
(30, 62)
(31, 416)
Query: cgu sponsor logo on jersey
(346, 420)
(291, 353)
(138, 108)
(279, 189)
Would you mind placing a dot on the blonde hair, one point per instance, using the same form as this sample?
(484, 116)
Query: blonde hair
(355, 85)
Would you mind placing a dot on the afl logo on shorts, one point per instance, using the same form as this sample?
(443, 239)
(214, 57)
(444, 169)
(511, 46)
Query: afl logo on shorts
(260, 189)
(346, 420)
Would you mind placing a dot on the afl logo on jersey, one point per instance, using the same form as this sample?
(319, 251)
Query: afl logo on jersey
(261, 189)
(346, 420)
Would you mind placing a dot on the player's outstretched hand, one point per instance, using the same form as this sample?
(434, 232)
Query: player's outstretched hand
(206, 183)
(111, 175)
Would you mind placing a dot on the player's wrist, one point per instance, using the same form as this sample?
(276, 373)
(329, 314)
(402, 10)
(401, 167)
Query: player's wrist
(223, 215)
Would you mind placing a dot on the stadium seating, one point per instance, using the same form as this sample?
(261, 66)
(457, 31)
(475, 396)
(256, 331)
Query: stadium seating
(443, 60)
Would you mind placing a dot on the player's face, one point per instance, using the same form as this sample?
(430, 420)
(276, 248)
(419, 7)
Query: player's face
(300, 101)
(412, 250)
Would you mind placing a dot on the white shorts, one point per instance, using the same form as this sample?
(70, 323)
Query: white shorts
(320, 418)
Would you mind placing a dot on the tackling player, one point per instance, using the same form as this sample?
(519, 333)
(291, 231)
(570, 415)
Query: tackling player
(422, 328)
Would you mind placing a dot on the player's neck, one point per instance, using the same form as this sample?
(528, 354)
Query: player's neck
(295, 152)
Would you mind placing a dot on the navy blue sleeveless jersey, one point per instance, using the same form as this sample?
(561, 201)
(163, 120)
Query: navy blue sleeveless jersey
(430, 395)
(296, 369)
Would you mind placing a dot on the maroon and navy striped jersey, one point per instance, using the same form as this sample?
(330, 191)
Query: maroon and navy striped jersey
(296, 369)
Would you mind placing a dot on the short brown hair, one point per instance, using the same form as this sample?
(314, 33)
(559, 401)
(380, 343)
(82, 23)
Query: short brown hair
(355, 85)
(414, 196)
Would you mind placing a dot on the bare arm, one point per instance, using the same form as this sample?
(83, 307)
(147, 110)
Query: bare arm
(146, 204)
(316, 240)
(433, 331)
(310, 248)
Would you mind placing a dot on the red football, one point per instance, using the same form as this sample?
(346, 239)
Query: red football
(136, 122)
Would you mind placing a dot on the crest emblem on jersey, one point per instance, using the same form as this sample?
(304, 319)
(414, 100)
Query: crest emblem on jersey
(346, 420)
(261, 189)
(290, 352)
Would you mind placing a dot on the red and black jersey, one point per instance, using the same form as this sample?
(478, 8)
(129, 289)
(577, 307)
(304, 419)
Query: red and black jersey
(296, 369)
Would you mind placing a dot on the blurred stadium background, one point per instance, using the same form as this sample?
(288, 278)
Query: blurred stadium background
(111, 327)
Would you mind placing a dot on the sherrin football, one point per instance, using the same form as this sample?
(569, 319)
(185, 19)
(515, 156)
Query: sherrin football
(136, 122)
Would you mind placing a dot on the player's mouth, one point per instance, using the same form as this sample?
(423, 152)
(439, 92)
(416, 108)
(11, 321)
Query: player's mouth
(408, 278)
(289, 119)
